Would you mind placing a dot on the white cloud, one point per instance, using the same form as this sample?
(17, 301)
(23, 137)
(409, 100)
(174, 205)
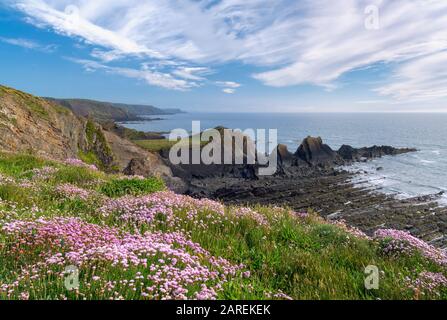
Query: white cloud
(421, 79)
(228, 90)
(229, 84)
(192, 73)
(154, 78)
(28, 44)
(295, 42)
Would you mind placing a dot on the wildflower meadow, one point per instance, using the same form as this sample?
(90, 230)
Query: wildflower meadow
(129, 238)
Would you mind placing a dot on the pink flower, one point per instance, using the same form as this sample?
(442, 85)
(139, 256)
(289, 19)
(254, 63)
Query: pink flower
(398, 242)
(79, 163)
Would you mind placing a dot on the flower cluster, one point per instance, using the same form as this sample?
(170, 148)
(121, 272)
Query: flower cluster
(22, 183)
(401, 242)
(6, 180)
(278, 295)
(166, 206)
(350, 230)
(152, 265)
(242, 212)
(72, 192)
(43, 173)
(429, 282)
(79, 163)
(174, 210)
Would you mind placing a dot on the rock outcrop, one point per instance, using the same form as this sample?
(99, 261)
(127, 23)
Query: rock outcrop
(349, 153)
(42, 127)
(314, 152)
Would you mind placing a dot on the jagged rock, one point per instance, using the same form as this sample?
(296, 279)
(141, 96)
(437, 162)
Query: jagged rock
(349, 153)
(314, 152)
(283, 154)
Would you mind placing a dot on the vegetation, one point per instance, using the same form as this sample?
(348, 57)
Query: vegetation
(160, 145)
(155, 145)
(98, 150)
(135, 186)
(128, 238)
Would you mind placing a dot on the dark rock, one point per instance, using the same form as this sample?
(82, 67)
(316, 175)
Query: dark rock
(314, 152)
(283, 154)
(176, 184)
(349, 153)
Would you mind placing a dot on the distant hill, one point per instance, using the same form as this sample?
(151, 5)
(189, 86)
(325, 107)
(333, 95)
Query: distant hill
(146, 110)
(107, 111)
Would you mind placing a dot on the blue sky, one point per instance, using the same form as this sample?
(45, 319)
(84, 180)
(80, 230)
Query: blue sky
(231, 55)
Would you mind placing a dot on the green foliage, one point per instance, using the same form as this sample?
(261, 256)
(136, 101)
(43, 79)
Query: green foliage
(97, 148)
(155, 145)
(89, 157)
(77, 176)
(121, 187)
(90, 131)
(17, 165)
(158, 145)
(16, 194)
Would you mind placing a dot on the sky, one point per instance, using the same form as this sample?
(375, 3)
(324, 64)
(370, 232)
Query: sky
(231, 55)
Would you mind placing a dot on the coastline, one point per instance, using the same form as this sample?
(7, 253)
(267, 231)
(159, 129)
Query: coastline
(333, 196)
(336, 193)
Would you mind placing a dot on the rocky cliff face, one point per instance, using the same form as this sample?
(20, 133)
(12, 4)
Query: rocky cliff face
(32, 124)
(28, 123)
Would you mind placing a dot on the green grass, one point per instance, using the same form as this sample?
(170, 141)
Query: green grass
(306, 258)
(121, 187)
(89, 157)
(158, 145)
(17, 165)
(155, 145)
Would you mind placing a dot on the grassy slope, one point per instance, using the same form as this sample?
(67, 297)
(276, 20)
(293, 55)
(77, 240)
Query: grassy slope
(155, 145)
(301, 257)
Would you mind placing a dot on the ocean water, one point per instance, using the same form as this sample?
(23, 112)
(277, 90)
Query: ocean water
(420, 173)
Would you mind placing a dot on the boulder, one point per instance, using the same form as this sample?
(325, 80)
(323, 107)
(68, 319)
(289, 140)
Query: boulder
(147, 167)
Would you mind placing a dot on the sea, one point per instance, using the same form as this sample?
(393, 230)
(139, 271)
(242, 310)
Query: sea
(420, 173)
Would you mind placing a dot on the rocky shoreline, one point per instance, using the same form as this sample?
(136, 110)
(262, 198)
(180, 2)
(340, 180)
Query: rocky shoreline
(312, 178)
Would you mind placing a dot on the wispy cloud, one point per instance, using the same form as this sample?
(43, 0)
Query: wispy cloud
(229, 86)
(228, 91)
(420, 79)
(295, 42)
(192, 73)
(28, 44)
(154, 78)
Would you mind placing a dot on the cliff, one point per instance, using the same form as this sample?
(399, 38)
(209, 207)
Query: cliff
(109, 111)
(29, 124)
